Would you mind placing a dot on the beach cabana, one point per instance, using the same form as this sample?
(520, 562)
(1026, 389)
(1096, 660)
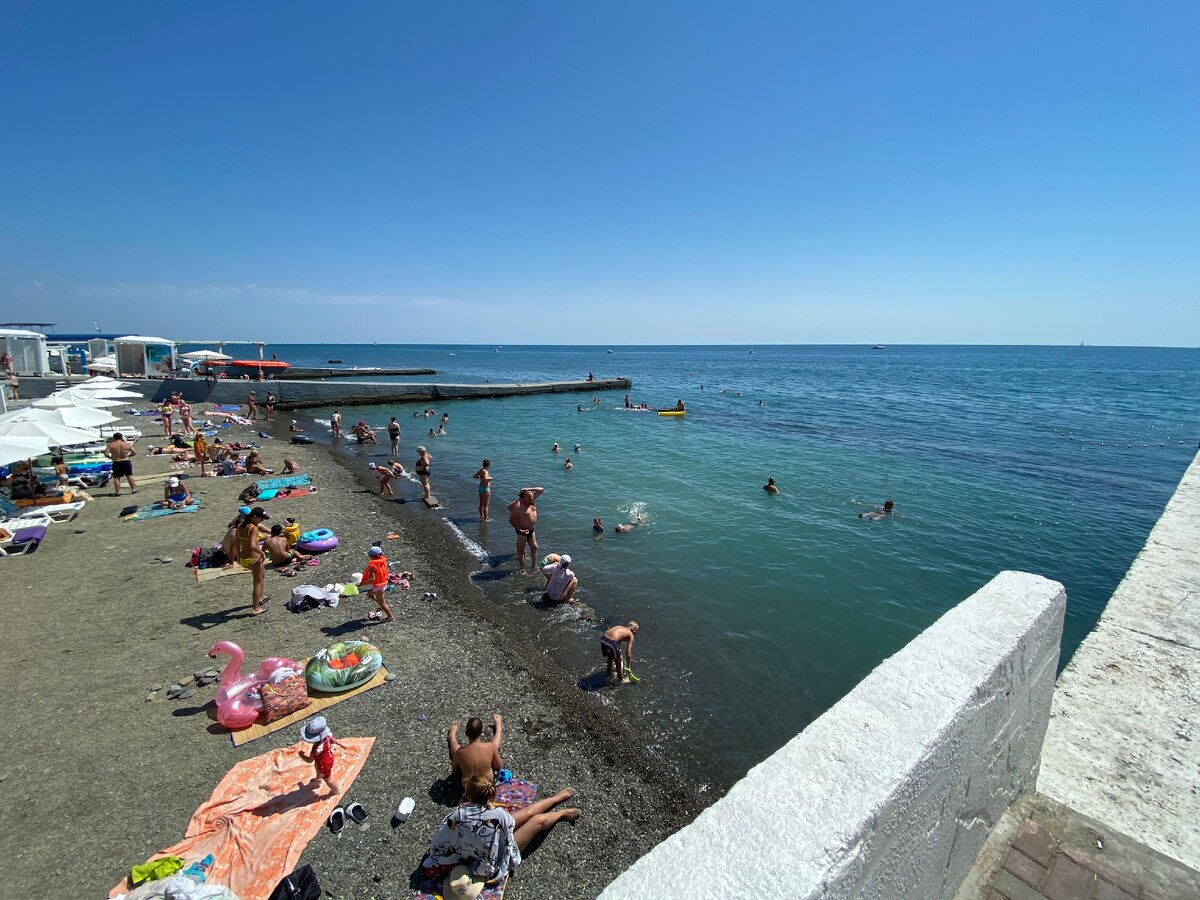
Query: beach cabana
(27, 349)
(145, 357)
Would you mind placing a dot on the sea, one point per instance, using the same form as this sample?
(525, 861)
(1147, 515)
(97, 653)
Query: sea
(759, 612)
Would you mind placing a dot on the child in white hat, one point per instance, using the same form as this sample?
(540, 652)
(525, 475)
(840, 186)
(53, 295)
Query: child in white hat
(316, 731)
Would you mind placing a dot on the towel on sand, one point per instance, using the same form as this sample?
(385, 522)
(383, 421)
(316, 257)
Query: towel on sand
(156, 510)
(262, 815)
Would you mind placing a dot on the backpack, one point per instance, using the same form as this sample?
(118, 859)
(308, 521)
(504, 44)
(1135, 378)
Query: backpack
(300, 885)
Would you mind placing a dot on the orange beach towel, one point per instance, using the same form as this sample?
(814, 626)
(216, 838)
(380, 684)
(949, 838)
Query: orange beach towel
(262, 815)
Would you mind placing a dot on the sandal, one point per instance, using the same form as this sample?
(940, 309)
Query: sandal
(337, 820)
(356, 812)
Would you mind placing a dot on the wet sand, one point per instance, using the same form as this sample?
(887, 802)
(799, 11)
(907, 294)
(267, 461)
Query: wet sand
(97, 778)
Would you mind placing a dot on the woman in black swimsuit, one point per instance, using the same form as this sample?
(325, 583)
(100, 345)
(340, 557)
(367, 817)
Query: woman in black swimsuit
(422, 469)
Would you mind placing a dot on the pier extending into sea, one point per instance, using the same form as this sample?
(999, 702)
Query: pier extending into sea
(291, 394)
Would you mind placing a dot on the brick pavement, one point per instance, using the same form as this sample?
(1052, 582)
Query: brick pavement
(1039, 867)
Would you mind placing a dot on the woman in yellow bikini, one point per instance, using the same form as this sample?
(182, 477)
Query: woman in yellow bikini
(251, 556)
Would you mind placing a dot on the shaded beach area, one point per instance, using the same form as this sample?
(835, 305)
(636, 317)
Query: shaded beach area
(105, 773)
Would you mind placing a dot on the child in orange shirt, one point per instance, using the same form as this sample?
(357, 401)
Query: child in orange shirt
(375, 582)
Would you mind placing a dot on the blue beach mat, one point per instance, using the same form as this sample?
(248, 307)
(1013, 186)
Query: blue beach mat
(157, 510)
(283, 481)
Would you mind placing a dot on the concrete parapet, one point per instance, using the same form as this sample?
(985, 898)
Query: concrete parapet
(296, 394)
(891, 792)
(1123, 746)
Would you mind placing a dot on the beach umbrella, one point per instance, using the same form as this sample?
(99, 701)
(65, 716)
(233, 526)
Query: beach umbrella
(205, 355)
(62, 399)
(13, 449)
(106, 393)
(103, 364)
(97, 382)
(55, 435)
(70, 416)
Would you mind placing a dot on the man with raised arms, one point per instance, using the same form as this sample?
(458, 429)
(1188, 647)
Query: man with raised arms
(476, 757)
(522, 516)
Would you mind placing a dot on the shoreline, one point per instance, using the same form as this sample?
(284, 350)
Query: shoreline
(115, 776)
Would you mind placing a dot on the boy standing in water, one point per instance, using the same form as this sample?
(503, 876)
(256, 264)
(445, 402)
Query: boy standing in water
(611, 649)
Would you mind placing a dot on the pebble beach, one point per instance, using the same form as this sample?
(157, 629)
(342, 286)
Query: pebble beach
(105, 771)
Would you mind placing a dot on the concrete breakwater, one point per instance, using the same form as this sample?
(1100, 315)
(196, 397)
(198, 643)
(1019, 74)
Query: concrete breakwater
(297, 394)
(298, 372)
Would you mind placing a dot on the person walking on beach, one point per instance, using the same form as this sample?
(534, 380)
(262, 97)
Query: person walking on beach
(476, 758)
(270, 404)
(251, 556)
(253, 405)
(522, 516)
(560, 581)
(394, 435)
(316, 732)
(611, 649)
(335, 424)
(375, 582)
(121, 452)
(484, 477)
(422, 470)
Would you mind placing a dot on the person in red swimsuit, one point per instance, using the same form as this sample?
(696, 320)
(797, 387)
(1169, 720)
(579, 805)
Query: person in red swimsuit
(316, 731)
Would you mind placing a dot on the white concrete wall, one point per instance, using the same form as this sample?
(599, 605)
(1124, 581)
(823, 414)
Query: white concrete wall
(892, 792)
(1123, 745)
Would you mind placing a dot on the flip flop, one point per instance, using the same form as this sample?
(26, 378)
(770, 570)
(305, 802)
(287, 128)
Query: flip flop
(356, 812)
(374, 614)
(337, 820)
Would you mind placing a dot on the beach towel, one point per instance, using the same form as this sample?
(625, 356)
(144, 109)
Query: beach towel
(282, 481)
(284, 493)
(516, 794)
(317, 701)
(203, 575)
(157, 510)
(262, 815)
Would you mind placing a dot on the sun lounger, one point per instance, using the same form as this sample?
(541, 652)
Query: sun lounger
(35, 518)
(21, 541)
(59, 512)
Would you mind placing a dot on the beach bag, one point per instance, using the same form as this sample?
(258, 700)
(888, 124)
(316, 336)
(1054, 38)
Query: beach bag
(284, 697)
(300, 885)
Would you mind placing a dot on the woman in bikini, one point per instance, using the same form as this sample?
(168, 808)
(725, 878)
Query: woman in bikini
(484, 477)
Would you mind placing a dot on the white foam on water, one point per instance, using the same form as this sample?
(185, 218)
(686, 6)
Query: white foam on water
(472, 547)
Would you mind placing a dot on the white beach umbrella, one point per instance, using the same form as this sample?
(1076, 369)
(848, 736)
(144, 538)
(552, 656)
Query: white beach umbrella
(205, 354)
(62, 399)
(13, 449)
(103, 364)
(97, 382)
(56, 435)
(106, 393)
(70, 416)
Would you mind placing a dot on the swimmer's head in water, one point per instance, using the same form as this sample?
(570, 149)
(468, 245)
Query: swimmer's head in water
(770, 481)
(888, 504)
(486, 463)
(474, 728)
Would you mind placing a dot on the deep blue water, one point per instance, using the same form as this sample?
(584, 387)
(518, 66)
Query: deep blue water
(760, 612)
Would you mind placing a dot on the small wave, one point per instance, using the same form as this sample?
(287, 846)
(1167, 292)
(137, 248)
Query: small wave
(482, 555)
(326, 422)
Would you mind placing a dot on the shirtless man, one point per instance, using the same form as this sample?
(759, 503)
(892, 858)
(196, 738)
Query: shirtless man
(121, 452)
(625, 527)
(770, 487)
(277, 548)
(874, 515)
(611, 649)
(251, 556)
(522, 516)
(476, 757)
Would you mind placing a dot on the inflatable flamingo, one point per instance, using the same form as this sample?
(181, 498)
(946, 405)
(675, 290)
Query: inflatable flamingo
(238, 704)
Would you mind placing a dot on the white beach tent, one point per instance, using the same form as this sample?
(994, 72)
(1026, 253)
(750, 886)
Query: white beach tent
(69, 416)
(27, 349)
(150, 357)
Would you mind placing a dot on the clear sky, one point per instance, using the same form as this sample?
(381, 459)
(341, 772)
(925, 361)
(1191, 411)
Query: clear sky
(618, 172)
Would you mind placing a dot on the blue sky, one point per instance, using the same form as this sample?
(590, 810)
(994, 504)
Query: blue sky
(605, 173)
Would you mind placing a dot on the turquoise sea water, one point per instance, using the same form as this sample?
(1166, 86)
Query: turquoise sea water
(759, 612)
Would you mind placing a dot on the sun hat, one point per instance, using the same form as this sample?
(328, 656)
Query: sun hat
(376, 551)
(315, 730)
(173, 481)
(460, 883)
(564, 560)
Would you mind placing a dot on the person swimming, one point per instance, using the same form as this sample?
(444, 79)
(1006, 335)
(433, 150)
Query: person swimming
(625, 527)
(597, 525)
(879, 512)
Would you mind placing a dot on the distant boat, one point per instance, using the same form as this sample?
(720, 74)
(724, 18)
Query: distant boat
(331, 361)
(610, 349)
(878, 347)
